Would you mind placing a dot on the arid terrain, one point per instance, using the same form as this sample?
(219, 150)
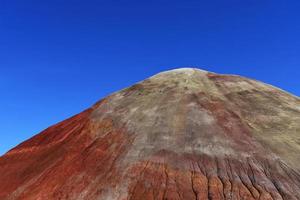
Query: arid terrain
(183, 134)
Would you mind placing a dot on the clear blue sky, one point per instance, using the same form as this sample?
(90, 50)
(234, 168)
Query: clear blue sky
(58, 57)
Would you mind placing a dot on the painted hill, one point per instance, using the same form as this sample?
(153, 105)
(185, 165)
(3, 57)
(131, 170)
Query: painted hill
(181, 134)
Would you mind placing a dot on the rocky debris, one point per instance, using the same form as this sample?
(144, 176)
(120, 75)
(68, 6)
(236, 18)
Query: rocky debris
(181, 134)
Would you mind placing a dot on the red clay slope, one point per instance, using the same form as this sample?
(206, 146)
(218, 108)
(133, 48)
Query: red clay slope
(181, 134)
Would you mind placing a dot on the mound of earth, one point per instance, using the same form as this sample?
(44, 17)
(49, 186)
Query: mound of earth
(181, 134)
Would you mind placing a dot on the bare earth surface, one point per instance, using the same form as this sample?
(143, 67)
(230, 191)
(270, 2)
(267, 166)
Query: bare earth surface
(181, 134)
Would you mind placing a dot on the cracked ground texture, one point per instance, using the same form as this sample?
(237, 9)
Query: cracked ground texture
(181, 134)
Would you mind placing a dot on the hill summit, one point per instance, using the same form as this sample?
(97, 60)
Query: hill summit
(180, 134)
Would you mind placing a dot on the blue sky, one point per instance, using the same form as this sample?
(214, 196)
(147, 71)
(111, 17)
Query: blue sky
(59, 57)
